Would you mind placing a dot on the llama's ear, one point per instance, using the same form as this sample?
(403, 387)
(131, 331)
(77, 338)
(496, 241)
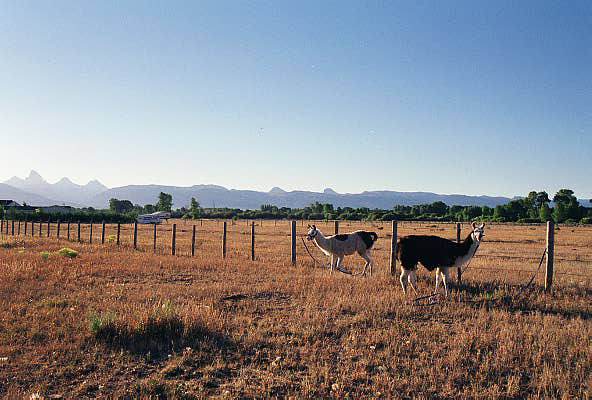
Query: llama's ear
(482, 225)
(309, 226)
(474, 225)
(314, 227)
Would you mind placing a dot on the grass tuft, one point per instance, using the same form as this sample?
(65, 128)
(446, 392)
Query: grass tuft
(68, 252)
(161, 331)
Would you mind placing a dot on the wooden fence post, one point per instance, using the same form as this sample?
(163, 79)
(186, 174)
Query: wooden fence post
(25, 227)
(253, 241)
(293, 231)
(78, 239)
(90, 233)
(19, 228)
(550, 254)
(135, 235)
(40, 227)
(393, 260)
(458, 270)
(193, 242)
(154, 244)
(174, 238)
(58, 232)
(68, 230)
(103, 232)
(336, 227)
(48, 227)
(2, 226)
(32, 228)
(224, 240)
(12, 227)
(118, 232)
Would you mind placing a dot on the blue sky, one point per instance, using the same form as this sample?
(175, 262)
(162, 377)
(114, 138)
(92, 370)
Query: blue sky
(452, 97)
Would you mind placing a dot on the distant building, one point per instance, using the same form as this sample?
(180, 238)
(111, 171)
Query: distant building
(154, 218)
(9, 203)
(13, 205)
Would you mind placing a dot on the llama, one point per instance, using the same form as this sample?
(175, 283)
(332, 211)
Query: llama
(339, 246)
(437, 253)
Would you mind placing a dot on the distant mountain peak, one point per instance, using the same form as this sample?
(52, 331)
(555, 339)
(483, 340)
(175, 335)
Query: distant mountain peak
(14, 181)
(34, 177)
(95, 184)
(64, 181)
(277, 190)
(329, 191)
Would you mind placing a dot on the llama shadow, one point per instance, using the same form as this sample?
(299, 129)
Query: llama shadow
(511, 298)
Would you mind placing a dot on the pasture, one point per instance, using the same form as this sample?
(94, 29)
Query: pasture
(118, 322)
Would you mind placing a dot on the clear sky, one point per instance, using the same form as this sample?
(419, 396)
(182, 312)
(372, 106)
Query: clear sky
(473, 97)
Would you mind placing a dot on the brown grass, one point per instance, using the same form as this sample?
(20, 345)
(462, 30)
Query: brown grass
(114, 322)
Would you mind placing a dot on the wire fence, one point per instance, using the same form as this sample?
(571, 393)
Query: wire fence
(507, 249)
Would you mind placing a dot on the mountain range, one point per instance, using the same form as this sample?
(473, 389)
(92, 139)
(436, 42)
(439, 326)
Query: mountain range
(34, 190)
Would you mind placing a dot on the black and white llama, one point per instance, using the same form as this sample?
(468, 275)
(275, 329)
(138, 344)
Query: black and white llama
(339, 246)
(437, 253)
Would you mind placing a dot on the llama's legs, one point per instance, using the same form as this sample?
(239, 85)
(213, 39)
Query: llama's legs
(403, 279)
(332, 261)
(437, 280)
(412, 281)
(339, 259)
(368, 263)
(445, 280)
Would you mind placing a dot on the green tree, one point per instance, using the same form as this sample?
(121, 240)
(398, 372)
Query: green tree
(568, 205)
(560, 212)
(499, 213)
(194, 208)
(530, 203)
(542, 198)
(544, 212)
(149, 209)
(120, 206)
(439, 208)
(471, 212)
(165, 202)
(486, 211)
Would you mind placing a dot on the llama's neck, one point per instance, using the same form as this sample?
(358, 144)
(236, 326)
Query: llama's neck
(467, 250)
(321, 241)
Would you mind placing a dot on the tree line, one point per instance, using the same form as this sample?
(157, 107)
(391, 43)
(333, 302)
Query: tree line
(535, 207)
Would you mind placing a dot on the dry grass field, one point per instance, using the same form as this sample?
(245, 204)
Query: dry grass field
(124, 323)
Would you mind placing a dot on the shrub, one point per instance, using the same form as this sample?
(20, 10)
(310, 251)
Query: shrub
(45, 254)
(528, 220)
(102, 326)
(67, 252)
(111, 238)
(586, 220)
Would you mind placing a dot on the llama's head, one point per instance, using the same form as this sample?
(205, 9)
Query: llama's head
(312, 232)
(478, 234)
